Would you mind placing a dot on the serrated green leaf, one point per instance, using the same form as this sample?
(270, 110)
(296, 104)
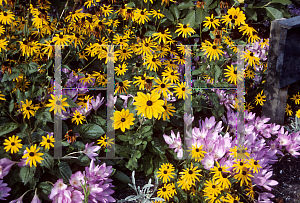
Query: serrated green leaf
(273, 13)
(91, 131)
(71, 103)
(208, 2)
(7, 128)
(250, 13)
(64, 171)
(169, 15)
(185, 5)
(283, 2)
(190, 18)
(174, 9)
(84, 160)
(9, 77)
(123, 137)
(26, 173)
(44, 190)
(48, 161)
(99, 120)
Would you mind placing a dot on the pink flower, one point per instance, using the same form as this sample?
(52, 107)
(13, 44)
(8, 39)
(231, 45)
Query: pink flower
(77, 179)
(5, 165)
(188, 119)
(292, 149)
(35, 198)
(126, 97)
(209, 123)
(262, 179)
(90, 151)
(175, 143)
(208, 161)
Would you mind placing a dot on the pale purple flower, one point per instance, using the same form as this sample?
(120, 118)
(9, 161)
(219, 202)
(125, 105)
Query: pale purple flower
(283, 138)
(111, 101)
(96, 103)
(5, 165)
(125, 98)
(188, 119)
(77, 179)
(292, 149)
(76, 195)
(174, 143)
(3, 190)
(262, 179)
(35, 198)
(59, 193)
(90, 150)
(208, 161)
(208, 123)
(19, 200)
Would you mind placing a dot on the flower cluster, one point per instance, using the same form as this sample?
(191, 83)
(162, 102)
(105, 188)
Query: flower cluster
(94, 179)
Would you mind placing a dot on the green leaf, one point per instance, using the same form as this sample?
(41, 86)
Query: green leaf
(123, 138)
(64, 171)
(11, 105)
(217, 72)
(169, 15)
(48, 161)
(9, 77)
(196, 72)
(213, 5)
(99, 120)
(71, 103)
(119, 175)
(138, 141)
(273, 13)
(190, 18)
(208, 2)
(137, 154)
(174, 9)
(32, 68)
(46, 116)
(148, 165)
(250, 13)
(91, 131)
(9, 127)
(283, 2)
(44, 190)
(27, 173)
(79, 145)
(84, 160)
(185, 5)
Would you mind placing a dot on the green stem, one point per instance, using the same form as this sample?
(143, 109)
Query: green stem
(89, 63)
(64, 60)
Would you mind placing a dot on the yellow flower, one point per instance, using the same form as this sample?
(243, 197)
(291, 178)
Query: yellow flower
(121, 69)
(182, 90)
(6, 17)
(168, 109)
(288, 110)
(32, 155)
(141, 16)
(27, 109)
(165, 172)
(250, 58)
(149, 105)
(57, 104)
(296, 98)
(123, 119)
(185, 30)
(196, 152)
(231, 72)
(78, 117)
(105, 141)
(47, 141)
(244, 176)
(12, 144)
(298, 113)
(2, 97)
(211, 21)
(162, 87)
(212, 50)
(260, 98)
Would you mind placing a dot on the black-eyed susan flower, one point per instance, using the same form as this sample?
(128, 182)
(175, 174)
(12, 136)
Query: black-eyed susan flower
(77, 39)
(6, 17)
(105, 141)
(106, 10)
(149, 105)
(196, 152)
(141, 81)
(248, 107)
(78, 117)
(239, 165)
(250, 58)
(122, 87)
(12, 144)
(165, 192)
(152, 62)
(298, 113)
(61, 39)
(157, 14)
(125, 53)
(223, 180)
(211, 21)
(212, 50)
(254, 165)
(247, 30)
(57, 104)
(121, 69)
(171, 74)
(260, 98)
(182, 90)
(184, 30)
(122, 119)
(168, 111)
(120, 40)
(244, 176)
(83, 102)
(250, 190)
(190, 175)
(232, 75)
(288, 110)
(27, 109)
(218, 170)
(165, 172)
(87, 79)
(296, 98)
(162, 87)
(32, 155)
(232, 199)
(212, 188)
(162, 36)
(48, 141)
(249, 74)
(253, 38)
(141, 16)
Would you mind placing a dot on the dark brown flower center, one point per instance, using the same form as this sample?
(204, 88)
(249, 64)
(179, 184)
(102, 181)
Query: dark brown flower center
(121, 84)
(149, 103)
(5, 14)
(244, 173)
(162, 85)
(184, 26)
(251, 54)
(220, 169)
(213, 186)
(232, 21)
(77, 35)
(31, 154)
(190, 172)
(241, 163)
(58, 103)
(123, 120)
(12, 144)
(48, 141)
(61, 36)
(255, 162)
(165, 107)
(183, 89)
(28, 108)
(165, 172)
(124, 51)
(214, 47)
